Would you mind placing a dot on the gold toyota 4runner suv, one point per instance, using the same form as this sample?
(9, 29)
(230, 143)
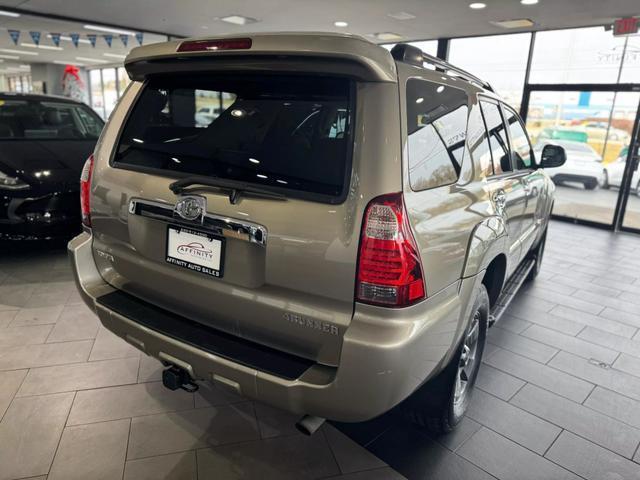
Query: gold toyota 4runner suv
(311, 221)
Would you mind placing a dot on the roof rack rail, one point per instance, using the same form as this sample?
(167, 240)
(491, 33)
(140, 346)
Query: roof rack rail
(403, 52)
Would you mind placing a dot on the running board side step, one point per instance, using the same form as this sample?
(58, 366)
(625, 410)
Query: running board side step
(510, 289)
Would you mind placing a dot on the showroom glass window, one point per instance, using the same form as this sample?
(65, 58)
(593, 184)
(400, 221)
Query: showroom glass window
(499, 59)
(436, 129)
(497, 138)
(581, 55)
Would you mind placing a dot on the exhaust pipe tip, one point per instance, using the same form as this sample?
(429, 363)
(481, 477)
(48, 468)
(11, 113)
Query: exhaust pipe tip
(309, 424)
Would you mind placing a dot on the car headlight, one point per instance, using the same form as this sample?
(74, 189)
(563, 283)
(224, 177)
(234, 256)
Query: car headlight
(8, 182)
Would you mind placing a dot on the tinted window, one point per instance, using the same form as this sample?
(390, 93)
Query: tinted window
(478, 142)
(520, 142)
(497, 138)
(284, 133)
(437, 126)
(26, 119)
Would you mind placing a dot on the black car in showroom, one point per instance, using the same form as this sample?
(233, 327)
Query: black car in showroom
(44, 143)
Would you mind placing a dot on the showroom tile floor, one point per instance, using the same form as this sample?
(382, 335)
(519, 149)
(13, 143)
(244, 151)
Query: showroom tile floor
(558, 396)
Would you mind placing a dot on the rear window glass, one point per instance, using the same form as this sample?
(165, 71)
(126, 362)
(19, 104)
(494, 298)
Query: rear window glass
(47, 120)
(437, 130)
(290, 134)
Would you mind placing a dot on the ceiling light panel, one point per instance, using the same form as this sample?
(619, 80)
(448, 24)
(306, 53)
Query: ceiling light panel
(402, 15)
(515, 23)
(100, 28)
(238, 20)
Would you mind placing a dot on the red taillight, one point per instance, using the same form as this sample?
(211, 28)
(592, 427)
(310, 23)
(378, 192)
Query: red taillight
(85, 191)
(215, 45)
(389, 271)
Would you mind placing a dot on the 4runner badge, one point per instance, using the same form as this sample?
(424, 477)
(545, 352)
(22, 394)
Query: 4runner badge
(191, 207)
(311, 323)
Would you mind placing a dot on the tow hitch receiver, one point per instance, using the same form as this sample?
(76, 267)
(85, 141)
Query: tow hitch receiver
(174, 378)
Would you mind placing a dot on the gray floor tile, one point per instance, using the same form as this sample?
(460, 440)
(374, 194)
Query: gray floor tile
(610, 378)
(585, 285)
(38, 300)
(505, 459)
(463, 431)
(632, 319)
(174, 466)
(75, 323)
(297, 457)
(548, 378)
(611, 341)
(6, 316)
(415, 455)
(109, 346)
(36, 316)
(350, 456)
(518, 425)
(605, 301)
(95, 451)
(513, 324)
(521, 345)
(574, 345)
(29, 434)
(26, 335)
(79, 376)
(210, 395)
(176, 432)
(377, 474)
(598, 321)
(150, 369)
(274, 422)
(628, 364)
(547, 319)
(31, 356)
(587, 305)
(126, 401)
(9, 383)
(583, 421)
(591, 461)
(615, 405)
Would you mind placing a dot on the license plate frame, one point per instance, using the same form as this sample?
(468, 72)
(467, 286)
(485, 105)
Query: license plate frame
(197, 250)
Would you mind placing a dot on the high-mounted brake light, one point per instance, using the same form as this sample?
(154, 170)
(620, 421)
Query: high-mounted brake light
(85, 191)
(389, 271)
(215, 45)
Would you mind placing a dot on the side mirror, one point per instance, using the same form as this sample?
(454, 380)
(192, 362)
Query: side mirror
(552, 156)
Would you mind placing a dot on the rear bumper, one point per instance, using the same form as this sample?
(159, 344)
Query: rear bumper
(386, 353)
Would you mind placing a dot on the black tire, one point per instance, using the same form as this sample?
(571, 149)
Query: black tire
(591, 184)
(537, 254)
(435, 405)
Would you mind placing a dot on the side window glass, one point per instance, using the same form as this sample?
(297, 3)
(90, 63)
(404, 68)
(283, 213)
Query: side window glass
(478, 142)
(497, 138)
(437, 129)
(522, 152)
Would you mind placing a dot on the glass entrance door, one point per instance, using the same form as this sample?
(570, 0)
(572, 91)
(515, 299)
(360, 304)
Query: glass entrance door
(595, 128)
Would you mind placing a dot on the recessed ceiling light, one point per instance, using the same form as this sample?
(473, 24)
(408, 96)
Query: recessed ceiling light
(253, 160)
(9, 14)
(115, 55)
(516, 23)
(10, 57)
(100, 28)
(341, 24)
(89, 59)
(19, 52)
(401, 15)
(43, 47)
(62, 62)
(388, 36)
(528, 2)
(477, 5)
(238, 19)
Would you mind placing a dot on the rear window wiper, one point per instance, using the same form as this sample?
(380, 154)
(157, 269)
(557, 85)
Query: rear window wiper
(234, 188)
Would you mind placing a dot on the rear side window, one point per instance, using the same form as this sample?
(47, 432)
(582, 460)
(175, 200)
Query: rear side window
(497, 138)
(33, 119)
(288, 134)
(523, 153)
(478, 142)
(437, 129)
